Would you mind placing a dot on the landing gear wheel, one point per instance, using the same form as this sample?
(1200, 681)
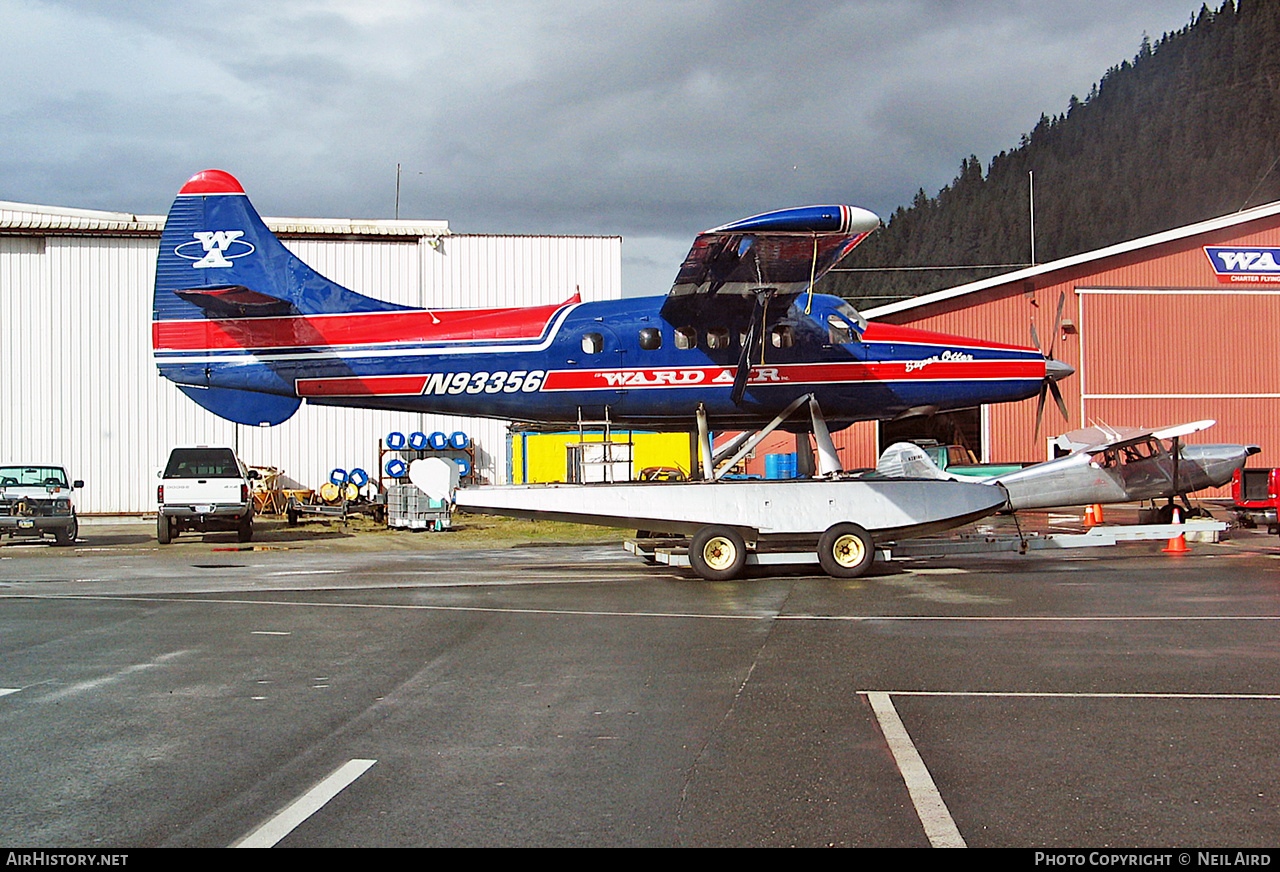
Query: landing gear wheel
(845, 551)
(164, 530)
(718, 553)
(67, 536)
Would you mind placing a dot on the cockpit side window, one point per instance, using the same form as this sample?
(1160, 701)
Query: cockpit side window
(838, 330)
(592, 343)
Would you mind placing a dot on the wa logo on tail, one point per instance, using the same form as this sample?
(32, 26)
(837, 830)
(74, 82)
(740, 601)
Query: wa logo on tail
(213, 248)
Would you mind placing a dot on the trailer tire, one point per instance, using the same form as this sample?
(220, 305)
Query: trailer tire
(845, 551)
(718, 553)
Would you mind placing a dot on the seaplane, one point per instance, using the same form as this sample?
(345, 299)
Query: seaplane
(742, 342)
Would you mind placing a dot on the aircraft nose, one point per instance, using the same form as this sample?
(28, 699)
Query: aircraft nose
(1056, 370)
(1219, 462)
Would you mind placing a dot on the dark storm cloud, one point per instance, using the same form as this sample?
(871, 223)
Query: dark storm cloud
(641, 119)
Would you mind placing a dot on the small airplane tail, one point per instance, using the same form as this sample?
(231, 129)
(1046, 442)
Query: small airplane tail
(219, 261)
(906, 460)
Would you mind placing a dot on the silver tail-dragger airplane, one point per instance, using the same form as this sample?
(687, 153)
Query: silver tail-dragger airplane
(249, 331)
(1124, 467)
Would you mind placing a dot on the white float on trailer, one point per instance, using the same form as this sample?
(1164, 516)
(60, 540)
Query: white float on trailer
(729, 523)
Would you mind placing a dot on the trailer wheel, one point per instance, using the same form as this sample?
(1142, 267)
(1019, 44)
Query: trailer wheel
(718, 553)
(845, 551)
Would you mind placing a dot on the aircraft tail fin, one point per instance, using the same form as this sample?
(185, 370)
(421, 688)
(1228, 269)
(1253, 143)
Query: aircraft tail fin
(906, 460)
(219, 262)
(218, 259)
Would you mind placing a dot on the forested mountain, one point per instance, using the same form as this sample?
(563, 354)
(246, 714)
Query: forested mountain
(1187, 130)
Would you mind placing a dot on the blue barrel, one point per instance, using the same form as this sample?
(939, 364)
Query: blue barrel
(459, 440)
(338, 476)
(418, 441)
(358, 477)
(395, 440)
(464, 466)
(438, 441)
(396, 468)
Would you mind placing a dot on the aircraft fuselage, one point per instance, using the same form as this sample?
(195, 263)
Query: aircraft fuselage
(620, 358)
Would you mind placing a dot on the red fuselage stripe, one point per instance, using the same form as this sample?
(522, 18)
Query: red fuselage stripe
(367, 328)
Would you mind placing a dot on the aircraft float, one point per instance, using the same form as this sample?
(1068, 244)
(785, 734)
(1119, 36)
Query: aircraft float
(741, 342)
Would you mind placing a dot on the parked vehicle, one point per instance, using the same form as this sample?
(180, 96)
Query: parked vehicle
(1255, 496)
(37, 500)
(204, 489)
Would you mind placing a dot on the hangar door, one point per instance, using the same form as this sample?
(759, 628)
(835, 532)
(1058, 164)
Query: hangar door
(1159, 357)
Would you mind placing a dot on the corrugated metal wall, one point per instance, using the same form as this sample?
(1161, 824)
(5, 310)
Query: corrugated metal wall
(78, 385)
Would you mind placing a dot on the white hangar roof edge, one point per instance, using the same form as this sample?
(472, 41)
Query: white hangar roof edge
(1224, 221)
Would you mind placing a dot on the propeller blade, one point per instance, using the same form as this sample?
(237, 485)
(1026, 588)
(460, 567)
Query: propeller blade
(1035, 337)
(1039, 410)
(1057, 324)
(753, 338)
(1057, 395)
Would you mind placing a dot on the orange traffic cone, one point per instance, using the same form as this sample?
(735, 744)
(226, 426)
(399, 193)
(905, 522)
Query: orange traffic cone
(1178, 544)
(1097, 513)
(1090, 517)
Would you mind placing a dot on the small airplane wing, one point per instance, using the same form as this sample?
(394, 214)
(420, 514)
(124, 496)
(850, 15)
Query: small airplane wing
(1130, 437)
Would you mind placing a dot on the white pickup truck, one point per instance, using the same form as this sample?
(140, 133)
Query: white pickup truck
(36, 500)
(204, 488)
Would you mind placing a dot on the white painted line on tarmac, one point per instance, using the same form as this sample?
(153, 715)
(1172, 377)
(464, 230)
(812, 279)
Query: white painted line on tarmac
(5, 691)
(305, 806)
(932, 811)
(1084, 695)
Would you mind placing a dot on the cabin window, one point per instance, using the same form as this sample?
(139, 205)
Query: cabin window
(686, 338)
(782, 336)
(650, 338)
(592, 343)
(838, 330)
(717, 338)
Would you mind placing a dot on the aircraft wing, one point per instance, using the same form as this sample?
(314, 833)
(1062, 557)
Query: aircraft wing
(782, 253)
(1130, 437)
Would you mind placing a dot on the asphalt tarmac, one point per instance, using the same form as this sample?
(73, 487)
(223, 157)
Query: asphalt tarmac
(327, 692)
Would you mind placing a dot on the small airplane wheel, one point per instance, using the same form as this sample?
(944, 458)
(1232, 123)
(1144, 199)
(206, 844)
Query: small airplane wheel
(845, 551)
(718, 553)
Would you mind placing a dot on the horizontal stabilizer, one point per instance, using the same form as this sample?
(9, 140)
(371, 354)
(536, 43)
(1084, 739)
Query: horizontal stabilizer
(244, 407)
(236, 301)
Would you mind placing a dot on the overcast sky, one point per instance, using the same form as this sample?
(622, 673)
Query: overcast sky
(648, 120)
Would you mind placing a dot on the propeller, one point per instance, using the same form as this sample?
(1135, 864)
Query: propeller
(1054, 370)
(754, 337)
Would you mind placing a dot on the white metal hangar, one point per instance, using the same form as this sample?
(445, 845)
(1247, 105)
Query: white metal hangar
(77, 381)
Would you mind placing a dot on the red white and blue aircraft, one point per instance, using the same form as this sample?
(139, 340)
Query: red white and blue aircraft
(248, 331)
